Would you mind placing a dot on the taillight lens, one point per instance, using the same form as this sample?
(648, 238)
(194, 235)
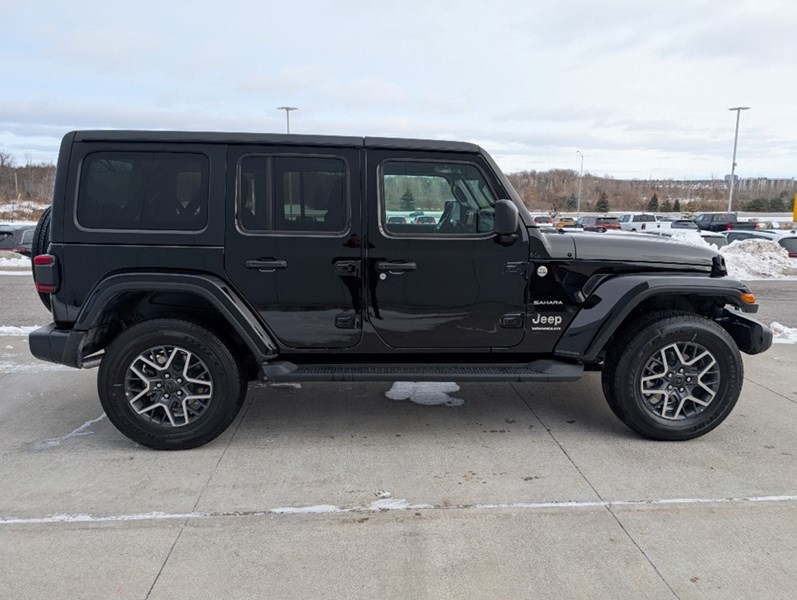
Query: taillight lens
(44, 260)
(45, 273)
(728, 227)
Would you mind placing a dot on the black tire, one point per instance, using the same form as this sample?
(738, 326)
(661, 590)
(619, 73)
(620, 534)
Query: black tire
(654, 415)
(40, 245)
(216, 377)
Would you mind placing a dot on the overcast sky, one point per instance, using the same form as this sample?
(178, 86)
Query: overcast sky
(642, 88)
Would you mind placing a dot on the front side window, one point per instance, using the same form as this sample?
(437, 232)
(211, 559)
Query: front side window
(293, 193)
(435, 198)
(143, 190)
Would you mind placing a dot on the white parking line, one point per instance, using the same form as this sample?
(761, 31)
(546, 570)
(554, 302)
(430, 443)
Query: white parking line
(391, 505)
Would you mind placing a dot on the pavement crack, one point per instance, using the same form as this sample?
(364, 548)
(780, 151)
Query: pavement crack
(792, 400)
(244, 411)
(606, 504)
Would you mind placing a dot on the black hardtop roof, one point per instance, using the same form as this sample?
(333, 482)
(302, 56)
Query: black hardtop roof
(282, 139)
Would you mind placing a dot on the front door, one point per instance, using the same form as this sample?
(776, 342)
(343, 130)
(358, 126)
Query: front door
(293, 245)
(436, 275)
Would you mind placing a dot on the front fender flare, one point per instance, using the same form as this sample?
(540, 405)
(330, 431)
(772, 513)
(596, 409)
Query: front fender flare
(614, 299)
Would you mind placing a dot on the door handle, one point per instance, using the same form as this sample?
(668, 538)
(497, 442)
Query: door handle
(395, 267)
(266, 265)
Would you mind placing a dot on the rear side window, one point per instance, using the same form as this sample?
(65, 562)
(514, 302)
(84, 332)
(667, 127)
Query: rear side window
(790, 244)
(293, 193)
(162, 191)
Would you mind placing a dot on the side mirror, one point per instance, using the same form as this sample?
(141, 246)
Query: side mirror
(506, 218)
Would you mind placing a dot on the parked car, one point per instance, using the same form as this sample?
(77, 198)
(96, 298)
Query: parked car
(211, 276)
(719, 221)
(787, 239)
(396, 220)
(25, 242)
(11, 236)
(542, 220)
(638, 222)
(590, 223)
(562, 222)
(684, 224)
(425, 220)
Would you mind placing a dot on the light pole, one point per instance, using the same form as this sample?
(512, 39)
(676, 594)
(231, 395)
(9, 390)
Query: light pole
(287, 110)
(738, 110)
(580, 185)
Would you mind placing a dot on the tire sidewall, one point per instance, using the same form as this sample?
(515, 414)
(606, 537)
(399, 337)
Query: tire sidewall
(111, 384)
(730, 376)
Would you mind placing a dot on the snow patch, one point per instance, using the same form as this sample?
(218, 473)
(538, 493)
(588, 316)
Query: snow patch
(425, 393)
(782, 334)
(12, 330)
(757, 259)
(286, 386)
(40, 367)
(80, 431)
(22, 261)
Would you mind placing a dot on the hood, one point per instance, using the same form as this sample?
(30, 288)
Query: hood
(640, 247)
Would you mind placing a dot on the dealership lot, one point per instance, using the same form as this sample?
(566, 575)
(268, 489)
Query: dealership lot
(336, 491)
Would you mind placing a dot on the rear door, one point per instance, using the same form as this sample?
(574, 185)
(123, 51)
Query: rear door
(293, 241)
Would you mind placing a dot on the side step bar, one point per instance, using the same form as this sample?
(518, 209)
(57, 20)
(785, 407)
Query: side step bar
(538, 370)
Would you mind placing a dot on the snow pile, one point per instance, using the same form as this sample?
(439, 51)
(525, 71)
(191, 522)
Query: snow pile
(757, 259)
(11, 330)
(22, 261)
(425, 393)
(687, 236)
(783, 334)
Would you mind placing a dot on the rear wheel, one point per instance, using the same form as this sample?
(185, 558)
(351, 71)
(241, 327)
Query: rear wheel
(674, 375)
(170, 384)
(40, 245)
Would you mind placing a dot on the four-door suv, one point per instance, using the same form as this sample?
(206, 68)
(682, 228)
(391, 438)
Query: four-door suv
(187, 264)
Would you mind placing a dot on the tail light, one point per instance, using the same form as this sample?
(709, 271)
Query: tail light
(45, 273)
(728, 226)
(792, 254)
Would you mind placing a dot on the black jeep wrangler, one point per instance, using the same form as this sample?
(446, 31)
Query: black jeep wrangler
(187, 264)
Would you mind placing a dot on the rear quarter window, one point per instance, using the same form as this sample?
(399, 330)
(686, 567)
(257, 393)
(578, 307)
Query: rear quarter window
(160, 191)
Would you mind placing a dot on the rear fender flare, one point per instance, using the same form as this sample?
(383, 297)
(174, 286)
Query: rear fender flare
(210, 288)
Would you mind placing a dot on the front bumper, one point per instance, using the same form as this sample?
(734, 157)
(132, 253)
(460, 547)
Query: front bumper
(62, 346)
(750, 336)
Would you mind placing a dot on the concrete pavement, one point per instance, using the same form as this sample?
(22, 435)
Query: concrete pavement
(334, 491)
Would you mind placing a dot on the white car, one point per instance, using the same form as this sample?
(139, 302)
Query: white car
(641, 222)
(787, 239)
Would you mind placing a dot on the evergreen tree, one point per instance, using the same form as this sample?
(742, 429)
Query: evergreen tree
(666, 206)
(408, 201)
(653, 205)
(676, 206)
(572, 203)
(776, 205)
(602, 205)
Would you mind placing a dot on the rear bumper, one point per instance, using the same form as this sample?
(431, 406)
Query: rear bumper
(62, 346)
(750, 336)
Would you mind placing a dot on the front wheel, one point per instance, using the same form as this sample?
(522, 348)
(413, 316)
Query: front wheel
(170, 384)
(673, 376)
